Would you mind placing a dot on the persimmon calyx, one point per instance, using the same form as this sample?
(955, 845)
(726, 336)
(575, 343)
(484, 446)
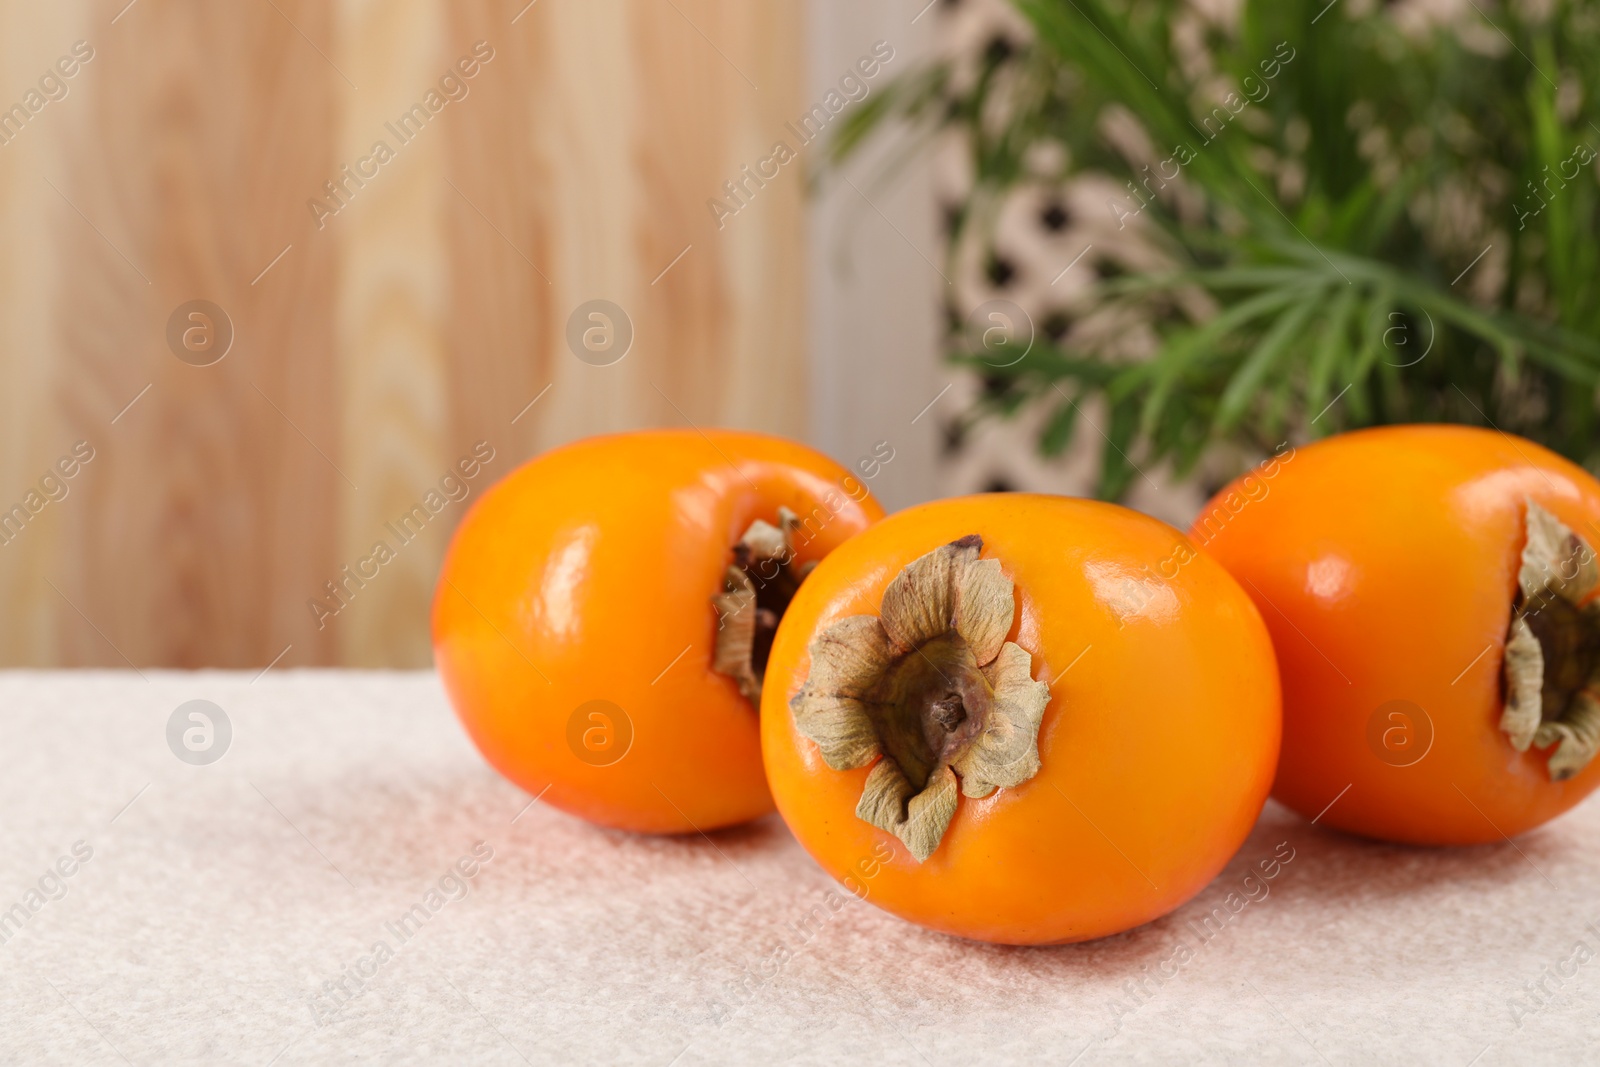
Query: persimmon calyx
(929, 688)
(756, 590)
(1552, 658)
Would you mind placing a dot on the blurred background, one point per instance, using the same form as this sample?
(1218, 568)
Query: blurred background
(275, 274)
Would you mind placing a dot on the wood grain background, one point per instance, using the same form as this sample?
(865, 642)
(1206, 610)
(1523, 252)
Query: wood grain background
(371, 352)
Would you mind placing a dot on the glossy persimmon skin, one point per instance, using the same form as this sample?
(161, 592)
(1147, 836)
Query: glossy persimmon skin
(587, 574)
(1385, 563)
(1156, 748)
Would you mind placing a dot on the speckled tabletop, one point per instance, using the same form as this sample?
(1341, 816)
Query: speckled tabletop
(349, 882)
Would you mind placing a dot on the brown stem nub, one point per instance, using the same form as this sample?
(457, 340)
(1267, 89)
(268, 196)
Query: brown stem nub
(756, 591)
(1552, 660)
(931, 690)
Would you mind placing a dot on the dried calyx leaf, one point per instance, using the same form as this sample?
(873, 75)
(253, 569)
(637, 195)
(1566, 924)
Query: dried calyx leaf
(931, 690)
(756, 590)
(1552, 659)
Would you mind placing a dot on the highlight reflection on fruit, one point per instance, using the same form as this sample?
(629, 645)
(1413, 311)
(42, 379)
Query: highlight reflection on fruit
(1430, 594)
(1035, 719)
(604, 611)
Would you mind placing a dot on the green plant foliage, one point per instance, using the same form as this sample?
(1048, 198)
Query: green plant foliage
(1339, 172)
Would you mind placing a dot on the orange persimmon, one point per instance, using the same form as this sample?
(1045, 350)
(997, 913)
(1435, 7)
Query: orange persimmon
(1429, 592)
(604, 613)
(1021, 718)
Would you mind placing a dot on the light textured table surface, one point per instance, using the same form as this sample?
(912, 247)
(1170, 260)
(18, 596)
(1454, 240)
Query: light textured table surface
(218, 900)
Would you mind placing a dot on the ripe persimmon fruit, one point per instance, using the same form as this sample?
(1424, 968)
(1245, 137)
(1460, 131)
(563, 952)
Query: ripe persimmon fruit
(604, 614)
(1021, 718)
(1430, 594)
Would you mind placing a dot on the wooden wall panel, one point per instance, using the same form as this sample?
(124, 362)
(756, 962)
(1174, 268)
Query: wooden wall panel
(375, 344)
(506, 201)
(213, 495)
(32, 436)
(392, 301)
